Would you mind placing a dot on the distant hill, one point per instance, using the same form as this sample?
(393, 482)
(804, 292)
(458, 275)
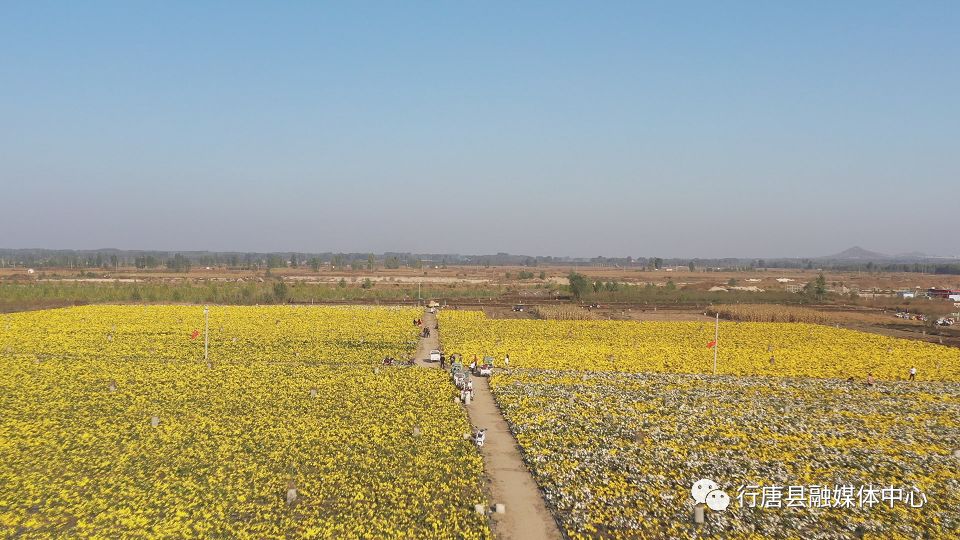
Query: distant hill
(857, 253)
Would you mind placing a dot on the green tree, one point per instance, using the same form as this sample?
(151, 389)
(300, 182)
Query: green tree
(178, 263)
(692, 267)
(671, 286)
(370, 261)
(597, 286)
(578, 284)
(342, 283)
(280, 291)
(366, 283)
(820, 286)
(543, 275)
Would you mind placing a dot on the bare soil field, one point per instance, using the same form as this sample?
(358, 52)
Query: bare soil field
(497, 289)
(508, 275)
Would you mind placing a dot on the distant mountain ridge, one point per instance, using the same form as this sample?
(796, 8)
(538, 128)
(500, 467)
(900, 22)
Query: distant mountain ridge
(857, 253)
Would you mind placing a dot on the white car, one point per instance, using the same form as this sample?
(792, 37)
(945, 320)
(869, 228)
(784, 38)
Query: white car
(434, 355)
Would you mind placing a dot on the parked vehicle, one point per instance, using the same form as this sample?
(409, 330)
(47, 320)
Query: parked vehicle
(485, 369)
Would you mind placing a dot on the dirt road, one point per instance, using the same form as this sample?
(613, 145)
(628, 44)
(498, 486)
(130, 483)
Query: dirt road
(508, 481)
(428, 344)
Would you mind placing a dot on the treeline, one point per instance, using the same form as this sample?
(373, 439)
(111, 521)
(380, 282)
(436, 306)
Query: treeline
(587, 291)
(925, 268)
(228, 293)
(182, 261)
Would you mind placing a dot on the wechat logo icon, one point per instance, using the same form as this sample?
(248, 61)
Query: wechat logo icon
(705, 491)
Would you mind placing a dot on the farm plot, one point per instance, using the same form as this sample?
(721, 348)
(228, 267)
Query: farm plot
(338, 335)
(775, 349)
(265, 444)
(617, 454)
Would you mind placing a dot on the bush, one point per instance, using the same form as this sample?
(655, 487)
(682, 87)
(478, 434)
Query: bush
(578, 284)
(280, 291)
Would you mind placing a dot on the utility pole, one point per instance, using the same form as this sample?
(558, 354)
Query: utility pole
(206, 335)
(716, 343)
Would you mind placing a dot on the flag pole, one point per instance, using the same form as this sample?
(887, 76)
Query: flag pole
(716, 343)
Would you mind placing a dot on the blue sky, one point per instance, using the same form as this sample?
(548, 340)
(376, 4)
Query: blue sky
(758, 129)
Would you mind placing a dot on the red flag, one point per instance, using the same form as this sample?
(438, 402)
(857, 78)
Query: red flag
(712, 344)
(195, 334)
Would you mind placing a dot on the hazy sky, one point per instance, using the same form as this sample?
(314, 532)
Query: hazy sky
(669, 128)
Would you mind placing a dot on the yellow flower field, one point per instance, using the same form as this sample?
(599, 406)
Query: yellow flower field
(797, 349)
(237, 334)
(373, 452)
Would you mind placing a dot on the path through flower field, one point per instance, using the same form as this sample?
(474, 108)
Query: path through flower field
(619, 420)
(507, 479)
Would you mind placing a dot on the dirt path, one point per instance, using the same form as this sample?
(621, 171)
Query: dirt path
(428, 344)
(508, 481)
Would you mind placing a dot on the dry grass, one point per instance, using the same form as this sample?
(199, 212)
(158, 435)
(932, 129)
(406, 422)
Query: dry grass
(771, 313)
(781, 313)
(563, 313)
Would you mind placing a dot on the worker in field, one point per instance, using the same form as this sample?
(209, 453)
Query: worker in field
(870, 381)
(506, 361)
(913, 373)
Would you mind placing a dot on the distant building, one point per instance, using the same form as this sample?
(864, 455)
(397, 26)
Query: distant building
(906, 294)
(944, 293)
